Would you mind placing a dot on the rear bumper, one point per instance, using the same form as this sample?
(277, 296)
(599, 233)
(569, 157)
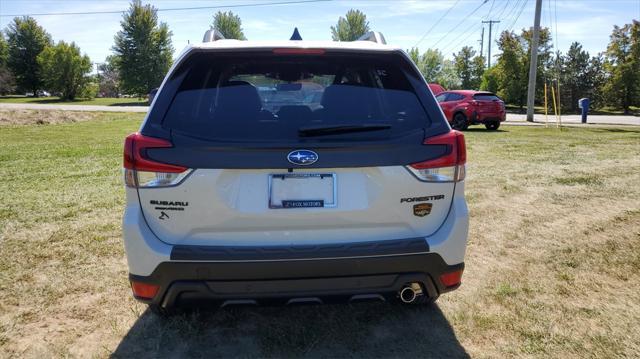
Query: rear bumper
(222, 273)
(477, 117)
(281, 281)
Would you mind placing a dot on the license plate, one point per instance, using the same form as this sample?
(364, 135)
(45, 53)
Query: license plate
(302, 190)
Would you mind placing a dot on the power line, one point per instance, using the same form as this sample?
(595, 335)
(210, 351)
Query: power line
(436, 23)
(171, 9)
(468, 32)
(499, 16)
(513, 11)
(524, 3)
(460, 23)
(503, 9)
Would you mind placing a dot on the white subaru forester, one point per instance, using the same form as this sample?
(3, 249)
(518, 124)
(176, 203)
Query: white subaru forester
(294, 172)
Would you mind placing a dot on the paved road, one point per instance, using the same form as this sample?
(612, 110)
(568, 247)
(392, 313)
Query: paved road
(511, 118)
(93, 108)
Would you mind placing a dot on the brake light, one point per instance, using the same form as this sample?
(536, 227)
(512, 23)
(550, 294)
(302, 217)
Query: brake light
(298, 51)
(144, 290)
(451, 279)
(141, 171)
(447, 168)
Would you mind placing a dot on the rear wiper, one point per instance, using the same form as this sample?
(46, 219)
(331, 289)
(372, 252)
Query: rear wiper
(338, 129)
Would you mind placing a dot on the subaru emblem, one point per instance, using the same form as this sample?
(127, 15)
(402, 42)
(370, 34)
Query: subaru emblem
(302, 157)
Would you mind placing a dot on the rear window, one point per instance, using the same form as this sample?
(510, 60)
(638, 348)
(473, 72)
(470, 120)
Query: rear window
(267, 97)
(486, 97)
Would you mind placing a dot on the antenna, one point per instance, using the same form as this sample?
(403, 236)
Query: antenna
(373, 36)
(212, 35)
(296, 35)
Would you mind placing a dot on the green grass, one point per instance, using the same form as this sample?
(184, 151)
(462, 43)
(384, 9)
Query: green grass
(102, 101)
(552, 266)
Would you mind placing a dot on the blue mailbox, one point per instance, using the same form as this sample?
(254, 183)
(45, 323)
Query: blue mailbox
(583, 104)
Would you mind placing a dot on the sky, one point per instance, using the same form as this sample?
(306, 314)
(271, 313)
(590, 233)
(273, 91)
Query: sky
(445, 25)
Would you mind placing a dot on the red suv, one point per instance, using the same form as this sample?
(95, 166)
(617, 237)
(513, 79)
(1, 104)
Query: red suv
(466, 107)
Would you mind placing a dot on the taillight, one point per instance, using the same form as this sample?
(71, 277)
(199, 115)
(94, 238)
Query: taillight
(447, 168)
(140, 171)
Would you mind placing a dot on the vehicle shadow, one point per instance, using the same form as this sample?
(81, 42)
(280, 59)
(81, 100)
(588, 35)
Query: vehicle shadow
(127, 104)
(484, 130)
(360, 330)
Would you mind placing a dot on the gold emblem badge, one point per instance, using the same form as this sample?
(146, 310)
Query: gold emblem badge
(422, 209)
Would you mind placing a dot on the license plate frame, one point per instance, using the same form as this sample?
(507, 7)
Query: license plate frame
(298, 202)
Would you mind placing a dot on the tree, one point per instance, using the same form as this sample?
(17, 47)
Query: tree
(469, 68)
(490, 80)
(448, 77)
(7, 82)
(414, 54)
(462, 61)
(350, 27)
(575, 77)
(623, 65)
(511, 69)
(26, 40)
(429, 63)
(229, 25)
(477, 70)
(598, 76)
(4, 51)
(64, 69)
(143, 49)
(109, 78)
(433, 63)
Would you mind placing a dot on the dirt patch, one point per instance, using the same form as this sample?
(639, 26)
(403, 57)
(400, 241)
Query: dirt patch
(43, 117)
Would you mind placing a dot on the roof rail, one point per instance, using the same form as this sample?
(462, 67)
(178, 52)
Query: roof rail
(374, 36)
(212, 35)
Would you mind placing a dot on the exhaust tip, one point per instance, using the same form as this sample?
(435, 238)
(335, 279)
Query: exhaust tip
(410, 292)
(407, 295)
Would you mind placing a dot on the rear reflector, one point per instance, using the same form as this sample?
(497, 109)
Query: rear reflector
(144, 290)
(446, 168)
(451, 279)
(297, 51)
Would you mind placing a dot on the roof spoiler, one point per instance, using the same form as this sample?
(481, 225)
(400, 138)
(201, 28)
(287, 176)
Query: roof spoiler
(212, 35)
(374, 36)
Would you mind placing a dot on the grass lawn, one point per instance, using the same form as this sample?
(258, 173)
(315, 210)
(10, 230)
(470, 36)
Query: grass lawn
(102, 101)
(552, 268)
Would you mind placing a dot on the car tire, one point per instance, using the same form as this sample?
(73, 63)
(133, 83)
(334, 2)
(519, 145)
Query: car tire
(492, 126)
(459, 122)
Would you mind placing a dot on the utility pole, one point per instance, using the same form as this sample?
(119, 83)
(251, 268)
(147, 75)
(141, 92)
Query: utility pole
(490, 22)
(482, 43)
(533, 66)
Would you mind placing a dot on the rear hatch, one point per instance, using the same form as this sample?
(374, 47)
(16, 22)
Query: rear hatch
(294, 147)
(488, 103)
